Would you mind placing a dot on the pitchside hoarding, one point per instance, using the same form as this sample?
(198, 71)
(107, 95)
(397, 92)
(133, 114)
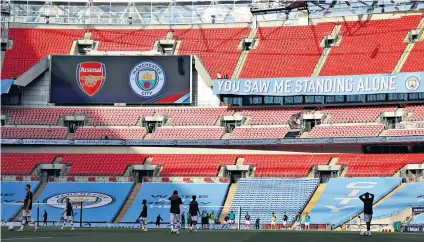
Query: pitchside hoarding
(120, 79)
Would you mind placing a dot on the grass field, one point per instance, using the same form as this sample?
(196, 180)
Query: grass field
(161, 235)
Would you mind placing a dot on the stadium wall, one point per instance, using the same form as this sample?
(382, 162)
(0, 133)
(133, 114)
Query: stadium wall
(184, 150)
(38, 91)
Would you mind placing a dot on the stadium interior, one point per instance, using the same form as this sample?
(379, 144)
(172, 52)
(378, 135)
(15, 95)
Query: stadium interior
(256, 154)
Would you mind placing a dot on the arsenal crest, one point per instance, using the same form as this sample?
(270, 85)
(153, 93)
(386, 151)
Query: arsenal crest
(91, 76)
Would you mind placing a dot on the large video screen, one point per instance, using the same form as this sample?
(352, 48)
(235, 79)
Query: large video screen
(120, 79)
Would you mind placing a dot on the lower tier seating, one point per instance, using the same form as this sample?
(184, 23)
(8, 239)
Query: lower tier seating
(377, 164)
(208, 165)
(407, 196)
(261, 197)
(209, 197)
(102, 201)
(23, 163)
(339, 202)
(192, 165)
(100, 164)
(285, 165)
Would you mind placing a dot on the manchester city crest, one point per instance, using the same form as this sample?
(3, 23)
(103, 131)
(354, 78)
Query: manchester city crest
(412, 83)
(147, 78)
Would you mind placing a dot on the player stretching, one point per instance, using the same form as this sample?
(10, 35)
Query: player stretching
(69, 214)
(194, 213)
(247, 220)
(367, 199)
(175, 212)
(285, 219)
(26, 214)
(143, 216)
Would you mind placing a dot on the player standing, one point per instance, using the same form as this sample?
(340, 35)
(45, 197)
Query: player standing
(175, 212)
(273, 221)
(285, 220)
(247, 220)
(69, 214)
(307, 221)
(232, 220)
(367, 199)
(143, 216)
(194, 212)
(212, 220)
(26, 214)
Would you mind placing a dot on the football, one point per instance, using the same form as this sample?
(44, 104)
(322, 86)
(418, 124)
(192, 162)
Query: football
(11, 228)
(362, 233)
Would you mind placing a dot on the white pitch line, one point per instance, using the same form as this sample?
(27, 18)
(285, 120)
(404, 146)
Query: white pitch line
(23, 238)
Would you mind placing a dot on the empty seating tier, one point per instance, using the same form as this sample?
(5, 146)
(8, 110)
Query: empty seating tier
(188, 133)
(259, 133)
(127, 39)
(267, 116)
(34, 133)
(377, 164)
(261, 197)
(115, 116)
(30, 45)
(192, 165)
(288, 51)
(110, 133)
(404, 132)
(369, 47)
(335, 131)
(23, 163)
(94, 194)
(416, 112)
(355, 114)
(193, 116)
(216, 47)
(284, 165)
(339, 202)
(413, 63)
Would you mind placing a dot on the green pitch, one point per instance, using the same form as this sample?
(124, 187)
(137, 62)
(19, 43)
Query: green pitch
(161, 235)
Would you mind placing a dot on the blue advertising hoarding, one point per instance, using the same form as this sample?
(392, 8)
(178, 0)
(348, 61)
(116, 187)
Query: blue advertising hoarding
(120, 79)
(323, 85)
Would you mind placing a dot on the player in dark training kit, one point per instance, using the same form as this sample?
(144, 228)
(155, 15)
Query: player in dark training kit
(26, 214)
(143, 216)
(175, 212)
(69, 214)
(368, 200)
(194, 212)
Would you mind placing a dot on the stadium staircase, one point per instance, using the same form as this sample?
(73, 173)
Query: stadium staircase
(326, 51)
(244, 53)
(128, 203)
(35, 197)
(333, 161)
(314, 199)
(344, 171)
(404, 55)
(350, 221)
(228, 201)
